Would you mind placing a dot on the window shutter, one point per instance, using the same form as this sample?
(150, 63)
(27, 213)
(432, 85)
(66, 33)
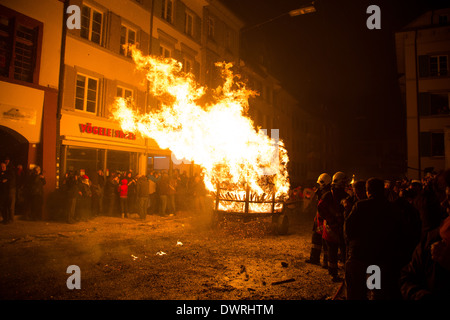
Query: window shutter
(179, 17)
(197, 28)
(425, 144)
(424, 66)
(110, 95)
(140, 101)
(113, 42)
(155, 46)
(144, 41)
(424, 104)
(70, 76)
(157, 8)
(196, 70)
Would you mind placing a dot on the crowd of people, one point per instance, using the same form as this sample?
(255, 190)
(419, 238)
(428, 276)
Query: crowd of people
(401, 227)
(21, 192)
(124, 193)
(81, 198)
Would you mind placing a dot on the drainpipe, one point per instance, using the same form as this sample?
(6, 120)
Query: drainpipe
(419, 163)
(60, 92)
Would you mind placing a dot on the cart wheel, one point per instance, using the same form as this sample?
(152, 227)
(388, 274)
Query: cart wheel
(282, 224)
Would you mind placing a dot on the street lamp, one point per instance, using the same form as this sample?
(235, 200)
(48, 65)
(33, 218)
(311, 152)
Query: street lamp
(309, 8)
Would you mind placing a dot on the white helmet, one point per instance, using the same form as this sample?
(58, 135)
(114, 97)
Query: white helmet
(339, 179)
(324, 179)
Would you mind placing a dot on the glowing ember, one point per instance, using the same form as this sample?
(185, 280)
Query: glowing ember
(216, 134)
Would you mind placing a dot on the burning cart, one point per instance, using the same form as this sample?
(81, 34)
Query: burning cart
(245, 205)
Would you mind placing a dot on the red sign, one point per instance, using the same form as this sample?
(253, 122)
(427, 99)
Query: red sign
(107, 132)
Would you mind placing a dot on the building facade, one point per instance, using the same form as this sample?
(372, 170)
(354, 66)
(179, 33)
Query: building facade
(30, 52)
(58, 84)
(423, 49)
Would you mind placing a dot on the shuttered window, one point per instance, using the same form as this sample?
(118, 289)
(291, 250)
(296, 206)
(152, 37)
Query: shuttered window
(433, 66)
(432, 144)
(433, 104)
(127, 37)
(167, 10)
(86, 94)
(189, 24)
(91, 24)
(20, 44)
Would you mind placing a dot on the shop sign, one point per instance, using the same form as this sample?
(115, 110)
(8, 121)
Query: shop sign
(107, 132)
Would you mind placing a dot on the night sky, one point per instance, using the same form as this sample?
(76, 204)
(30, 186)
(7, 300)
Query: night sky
(334, 64)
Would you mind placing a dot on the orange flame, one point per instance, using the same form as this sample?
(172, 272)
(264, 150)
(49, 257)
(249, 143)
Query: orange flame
(217, 135)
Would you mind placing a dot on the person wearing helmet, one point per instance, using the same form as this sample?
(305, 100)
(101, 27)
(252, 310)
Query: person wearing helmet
(317, 244)
(331, 210)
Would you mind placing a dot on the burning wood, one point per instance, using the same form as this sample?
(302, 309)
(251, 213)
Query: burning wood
(218, 136)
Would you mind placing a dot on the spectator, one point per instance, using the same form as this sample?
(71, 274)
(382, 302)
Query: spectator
(111, 186)
(123, 198)
(152, 194)
(131, 196)
(98, 191)
(142, 187)
(84, 202)
(36, 191)
(163, 187)
(173, 182)
(20, 185)
(370, 232)
(199, 193)
(427, 276)
(4, 193)
(70, 192)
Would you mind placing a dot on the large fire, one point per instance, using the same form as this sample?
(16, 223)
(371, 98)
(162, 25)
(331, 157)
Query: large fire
(216, 135)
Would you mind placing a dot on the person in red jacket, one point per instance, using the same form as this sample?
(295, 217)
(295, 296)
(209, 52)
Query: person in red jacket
(123, 197)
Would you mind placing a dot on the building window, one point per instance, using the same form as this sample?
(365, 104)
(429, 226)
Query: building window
(127, 37)
(167, 10)
(189, 24)
(20, 44)
(443, 19)
(210, 26)
(433, 104)
(86, 94)
(187, 65)
(433, 66)
(164, 52)
(438, 66)
(432, 144)
(124, 93)
(91, 24)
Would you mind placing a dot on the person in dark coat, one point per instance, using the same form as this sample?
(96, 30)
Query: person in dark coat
(142, 188)
(370, 233)
(4, 193)
(84, 201)
(427, 276)
(163, 188)
(111, 194)
(36, 191)
(98, 191)
(70, 192)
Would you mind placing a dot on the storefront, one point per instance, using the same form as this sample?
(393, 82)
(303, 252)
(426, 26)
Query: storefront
(88, 145)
